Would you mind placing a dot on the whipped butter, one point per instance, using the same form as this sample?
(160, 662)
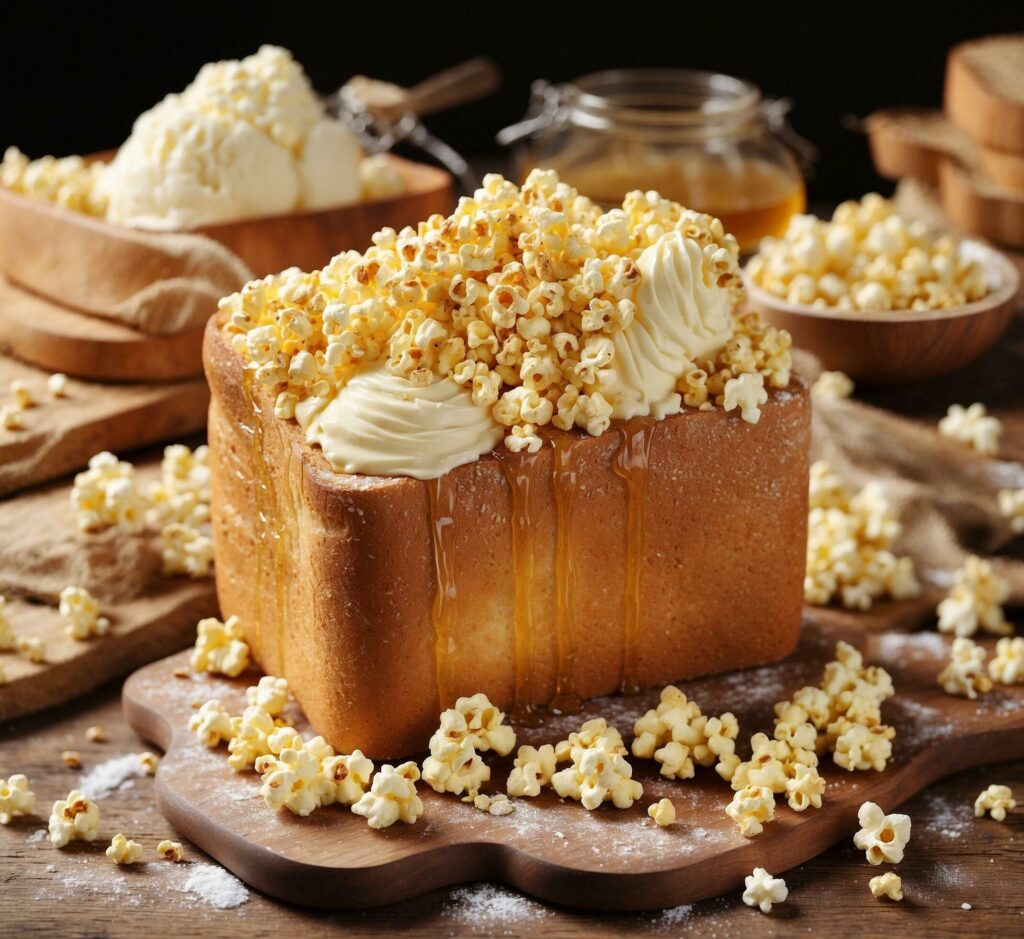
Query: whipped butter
(381, 423)
(525, 308)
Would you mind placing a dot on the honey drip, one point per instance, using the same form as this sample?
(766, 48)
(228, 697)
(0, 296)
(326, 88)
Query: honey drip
(632, 463)
(563, 477)
(520, 471)
(441, 496)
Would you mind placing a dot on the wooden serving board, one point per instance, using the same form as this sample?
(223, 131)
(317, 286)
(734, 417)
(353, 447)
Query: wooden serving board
(41, 332)
(41, 552)
(609, 859)
(61, 434)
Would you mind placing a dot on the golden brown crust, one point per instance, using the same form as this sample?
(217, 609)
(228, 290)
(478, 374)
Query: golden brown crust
(347, 563)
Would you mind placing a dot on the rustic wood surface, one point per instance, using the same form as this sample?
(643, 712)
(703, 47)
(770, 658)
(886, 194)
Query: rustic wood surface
(546, 846)
(61, 434)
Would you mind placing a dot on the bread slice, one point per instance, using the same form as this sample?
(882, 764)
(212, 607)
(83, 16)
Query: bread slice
(985, 91)
(335, 580)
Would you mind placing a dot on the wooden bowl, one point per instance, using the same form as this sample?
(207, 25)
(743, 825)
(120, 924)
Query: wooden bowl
(93, 266)
(901, 346)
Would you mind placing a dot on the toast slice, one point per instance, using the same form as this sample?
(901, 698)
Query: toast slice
(335, 577)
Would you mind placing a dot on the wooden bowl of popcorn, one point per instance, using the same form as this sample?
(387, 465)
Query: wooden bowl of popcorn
(881, 299)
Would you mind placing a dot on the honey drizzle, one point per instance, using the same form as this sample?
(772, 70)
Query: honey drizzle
(632, 464)
(520, 471)
(563, 478)
(255, 434)
(441, 497)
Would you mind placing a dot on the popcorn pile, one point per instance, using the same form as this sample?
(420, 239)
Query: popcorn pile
(32, 648)
(107, 495)
(973, 426)
(849, 542)
(975, 601)
(600, 771)
(677, 734)
(866, 258)
(472, 727)
(69, 182)
(220, 649)
(517, 297)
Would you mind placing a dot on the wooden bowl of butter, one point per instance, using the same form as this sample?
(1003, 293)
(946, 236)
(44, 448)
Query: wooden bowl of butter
(884, 300)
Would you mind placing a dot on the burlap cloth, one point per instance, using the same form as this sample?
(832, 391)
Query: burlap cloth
(944, 492)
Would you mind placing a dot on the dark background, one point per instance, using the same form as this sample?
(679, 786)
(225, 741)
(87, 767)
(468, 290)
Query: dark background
(72, 78)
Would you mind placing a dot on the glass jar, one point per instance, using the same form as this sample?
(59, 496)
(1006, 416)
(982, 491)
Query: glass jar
(708, 141)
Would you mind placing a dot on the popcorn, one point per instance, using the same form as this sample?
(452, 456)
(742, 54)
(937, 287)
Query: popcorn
(765, 768)
(1007, 665)
(975, 600)
(122, 850)
(270, 693)
(972, 426)
(69, 182)
(392, 797)
(15, 798)
(11, 418)
(598, 775)
(170, 851)
(32, 648)
(105, 496)
(517, 296)
(8, 641)
(71, 759)
(532, 769)
(75, 818)
(183, 493)
(350, 775)
(220, 647)
(663, 812)
(860, 748)
(1011, 505)
(747, 393)
(763, 890)
(149, 762)
(751, 808)
(805, 788)
(485, 725)
(677, 735)
(80, 611)
(22, 395)
(888, 885)
(494, 805)
(95, 734)
(185, 551)
(866, 258)
(249, 742)
(212, 724)
(454, 765)
(965, 673)
(293, 780)
(57, 385)
(881, 837)
(997, 801)
(832, 385)
(849, 543)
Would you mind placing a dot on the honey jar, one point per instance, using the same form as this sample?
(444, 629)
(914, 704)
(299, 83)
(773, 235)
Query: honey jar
(708, 141)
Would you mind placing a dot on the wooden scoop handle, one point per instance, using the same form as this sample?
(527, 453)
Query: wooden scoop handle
(457, 85)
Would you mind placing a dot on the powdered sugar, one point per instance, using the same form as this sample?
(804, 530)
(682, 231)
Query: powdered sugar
(38, 835)
(111, 775)
(216, 886)
(490, 907)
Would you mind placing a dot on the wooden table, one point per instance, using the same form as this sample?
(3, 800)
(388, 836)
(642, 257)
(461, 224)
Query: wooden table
(952, 859)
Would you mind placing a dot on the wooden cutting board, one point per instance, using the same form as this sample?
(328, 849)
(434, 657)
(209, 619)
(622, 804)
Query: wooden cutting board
(62, 340)
(61, 434)
(41, 552)
(605, 860)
